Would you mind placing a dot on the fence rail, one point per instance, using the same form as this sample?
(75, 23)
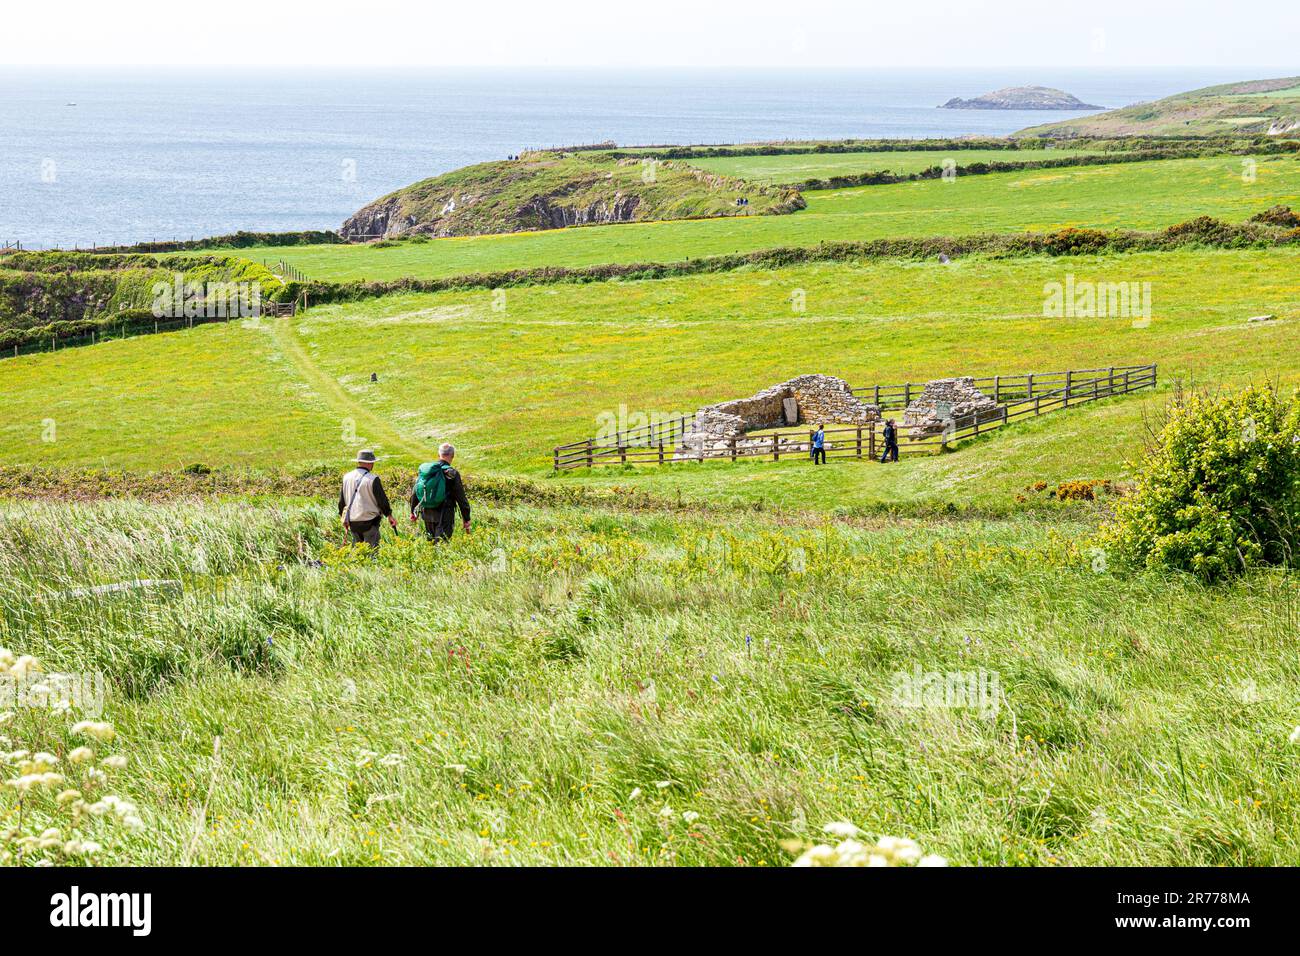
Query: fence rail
(128, 330)
(1022, 396)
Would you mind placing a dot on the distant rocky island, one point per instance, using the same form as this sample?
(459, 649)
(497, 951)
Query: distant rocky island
(1021, 98)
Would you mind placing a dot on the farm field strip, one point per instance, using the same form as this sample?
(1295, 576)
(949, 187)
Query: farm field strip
(1129, 195)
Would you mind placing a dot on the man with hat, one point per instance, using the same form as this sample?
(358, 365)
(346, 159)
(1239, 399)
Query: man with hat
(363, 503)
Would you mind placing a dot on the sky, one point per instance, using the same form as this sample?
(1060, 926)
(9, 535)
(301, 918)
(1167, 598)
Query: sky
(652, 33)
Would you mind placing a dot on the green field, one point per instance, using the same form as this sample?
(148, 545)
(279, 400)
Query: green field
(1132, 195)
(518, 382)
(799, 167)
(654, 690)
(690, 664)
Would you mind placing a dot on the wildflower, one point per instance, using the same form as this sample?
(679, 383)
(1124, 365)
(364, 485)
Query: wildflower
(663, 784)
(690, 816)
(67, 796)
(1295, 736)
(819, 855)
(81, 755)
(115, 762)
(841, 829)
(636, 792)
(100, 730)
(666, 812)
(6, 660)
(24, 666)
(391, 760)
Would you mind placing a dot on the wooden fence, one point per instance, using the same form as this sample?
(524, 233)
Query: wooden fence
(287, 271)
(1021, 396)
(127, 330)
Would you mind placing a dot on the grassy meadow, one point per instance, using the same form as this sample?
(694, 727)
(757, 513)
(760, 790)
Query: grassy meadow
(596, 688)
(684, 665)
(800, 167)
(1126, 195)
(517, 382)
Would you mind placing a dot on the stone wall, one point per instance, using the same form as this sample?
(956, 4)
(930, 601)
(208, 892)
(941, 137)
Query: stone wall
(820, 399)
(945, 400)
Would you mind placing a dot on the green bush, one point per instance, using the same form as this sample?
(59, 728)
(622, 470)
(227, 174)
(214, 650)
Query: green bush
(1219, 492)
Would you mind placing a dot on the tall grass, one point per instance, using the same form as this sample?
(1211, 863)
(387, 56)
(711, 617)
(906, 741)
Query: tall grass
(563, 685)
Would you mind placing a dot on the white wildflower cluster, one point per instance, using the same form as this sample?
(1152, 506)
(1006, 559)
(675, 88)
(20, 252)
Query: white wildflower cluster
(852, 851)
(371, 758)
(49, 804)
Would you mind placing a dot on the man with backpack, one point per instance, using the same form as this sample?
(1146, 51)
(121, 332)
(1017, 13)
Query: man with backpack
(362, 502)
(438, 492)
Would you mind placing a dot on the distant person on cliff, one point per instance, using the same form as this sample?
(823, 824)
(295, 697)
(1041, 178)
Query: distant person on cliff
(891, 442)
(363, 503)
(438, 492)
(819, 446)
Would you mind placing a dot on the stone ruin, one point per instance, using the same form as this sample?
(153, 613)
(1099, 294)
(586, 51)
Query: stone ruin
(808, 399)
(943, 401)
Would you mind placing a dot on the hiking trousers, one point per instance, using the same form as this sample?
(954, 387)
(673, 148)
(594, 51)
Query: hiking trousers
(439, 523)
(365, 532)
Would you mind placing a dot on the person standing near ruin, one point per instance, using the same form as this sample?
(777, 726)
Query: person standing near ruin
(891, 442)
(819, 445)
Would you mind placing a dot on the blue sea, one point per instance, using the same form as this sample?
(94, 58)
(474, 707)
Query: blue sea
(111, 157)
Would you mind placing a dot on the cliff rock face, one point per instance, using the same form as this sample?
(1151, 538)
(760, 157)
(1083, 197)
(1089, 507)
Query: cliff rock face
(550, 190)
(1021, 98)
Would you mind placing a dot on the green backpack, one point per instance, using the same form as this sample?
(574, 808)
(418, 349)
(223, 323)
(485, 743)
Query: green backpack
(431, 484)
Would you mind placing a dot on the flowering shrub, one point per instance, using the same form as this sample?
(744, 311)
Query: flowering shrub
(850, 851)
(1220, 490)
(53, 808)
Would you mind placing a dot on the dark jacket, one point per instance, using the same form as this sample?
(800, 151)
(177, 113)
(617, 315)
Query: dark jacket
(455, 495)
(891, 434)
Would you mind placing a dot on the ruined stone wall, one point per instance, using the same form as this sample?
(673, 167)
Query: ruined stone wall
(821, 399)
(945, 400)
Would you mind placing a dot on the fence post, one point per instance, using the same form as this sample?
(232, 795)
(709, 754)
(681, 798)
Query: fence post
(661, 451)
(859, 441)
(1030, 392)
(556, 454)
(776, 447)
(871, 442)
(907, 394)
(622, 453)
(1110, 382)
(997, 388)
(1069, 383)
(588, 452)
(877, 401)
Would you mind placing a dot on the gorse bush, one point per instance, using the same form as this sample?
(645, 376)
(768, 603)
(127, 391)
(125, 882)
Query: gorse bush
(1220, 489)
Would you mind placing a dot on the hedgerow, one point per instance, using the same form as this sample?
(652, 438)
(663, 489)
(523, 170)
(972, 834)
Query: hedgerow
(1219, 492)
